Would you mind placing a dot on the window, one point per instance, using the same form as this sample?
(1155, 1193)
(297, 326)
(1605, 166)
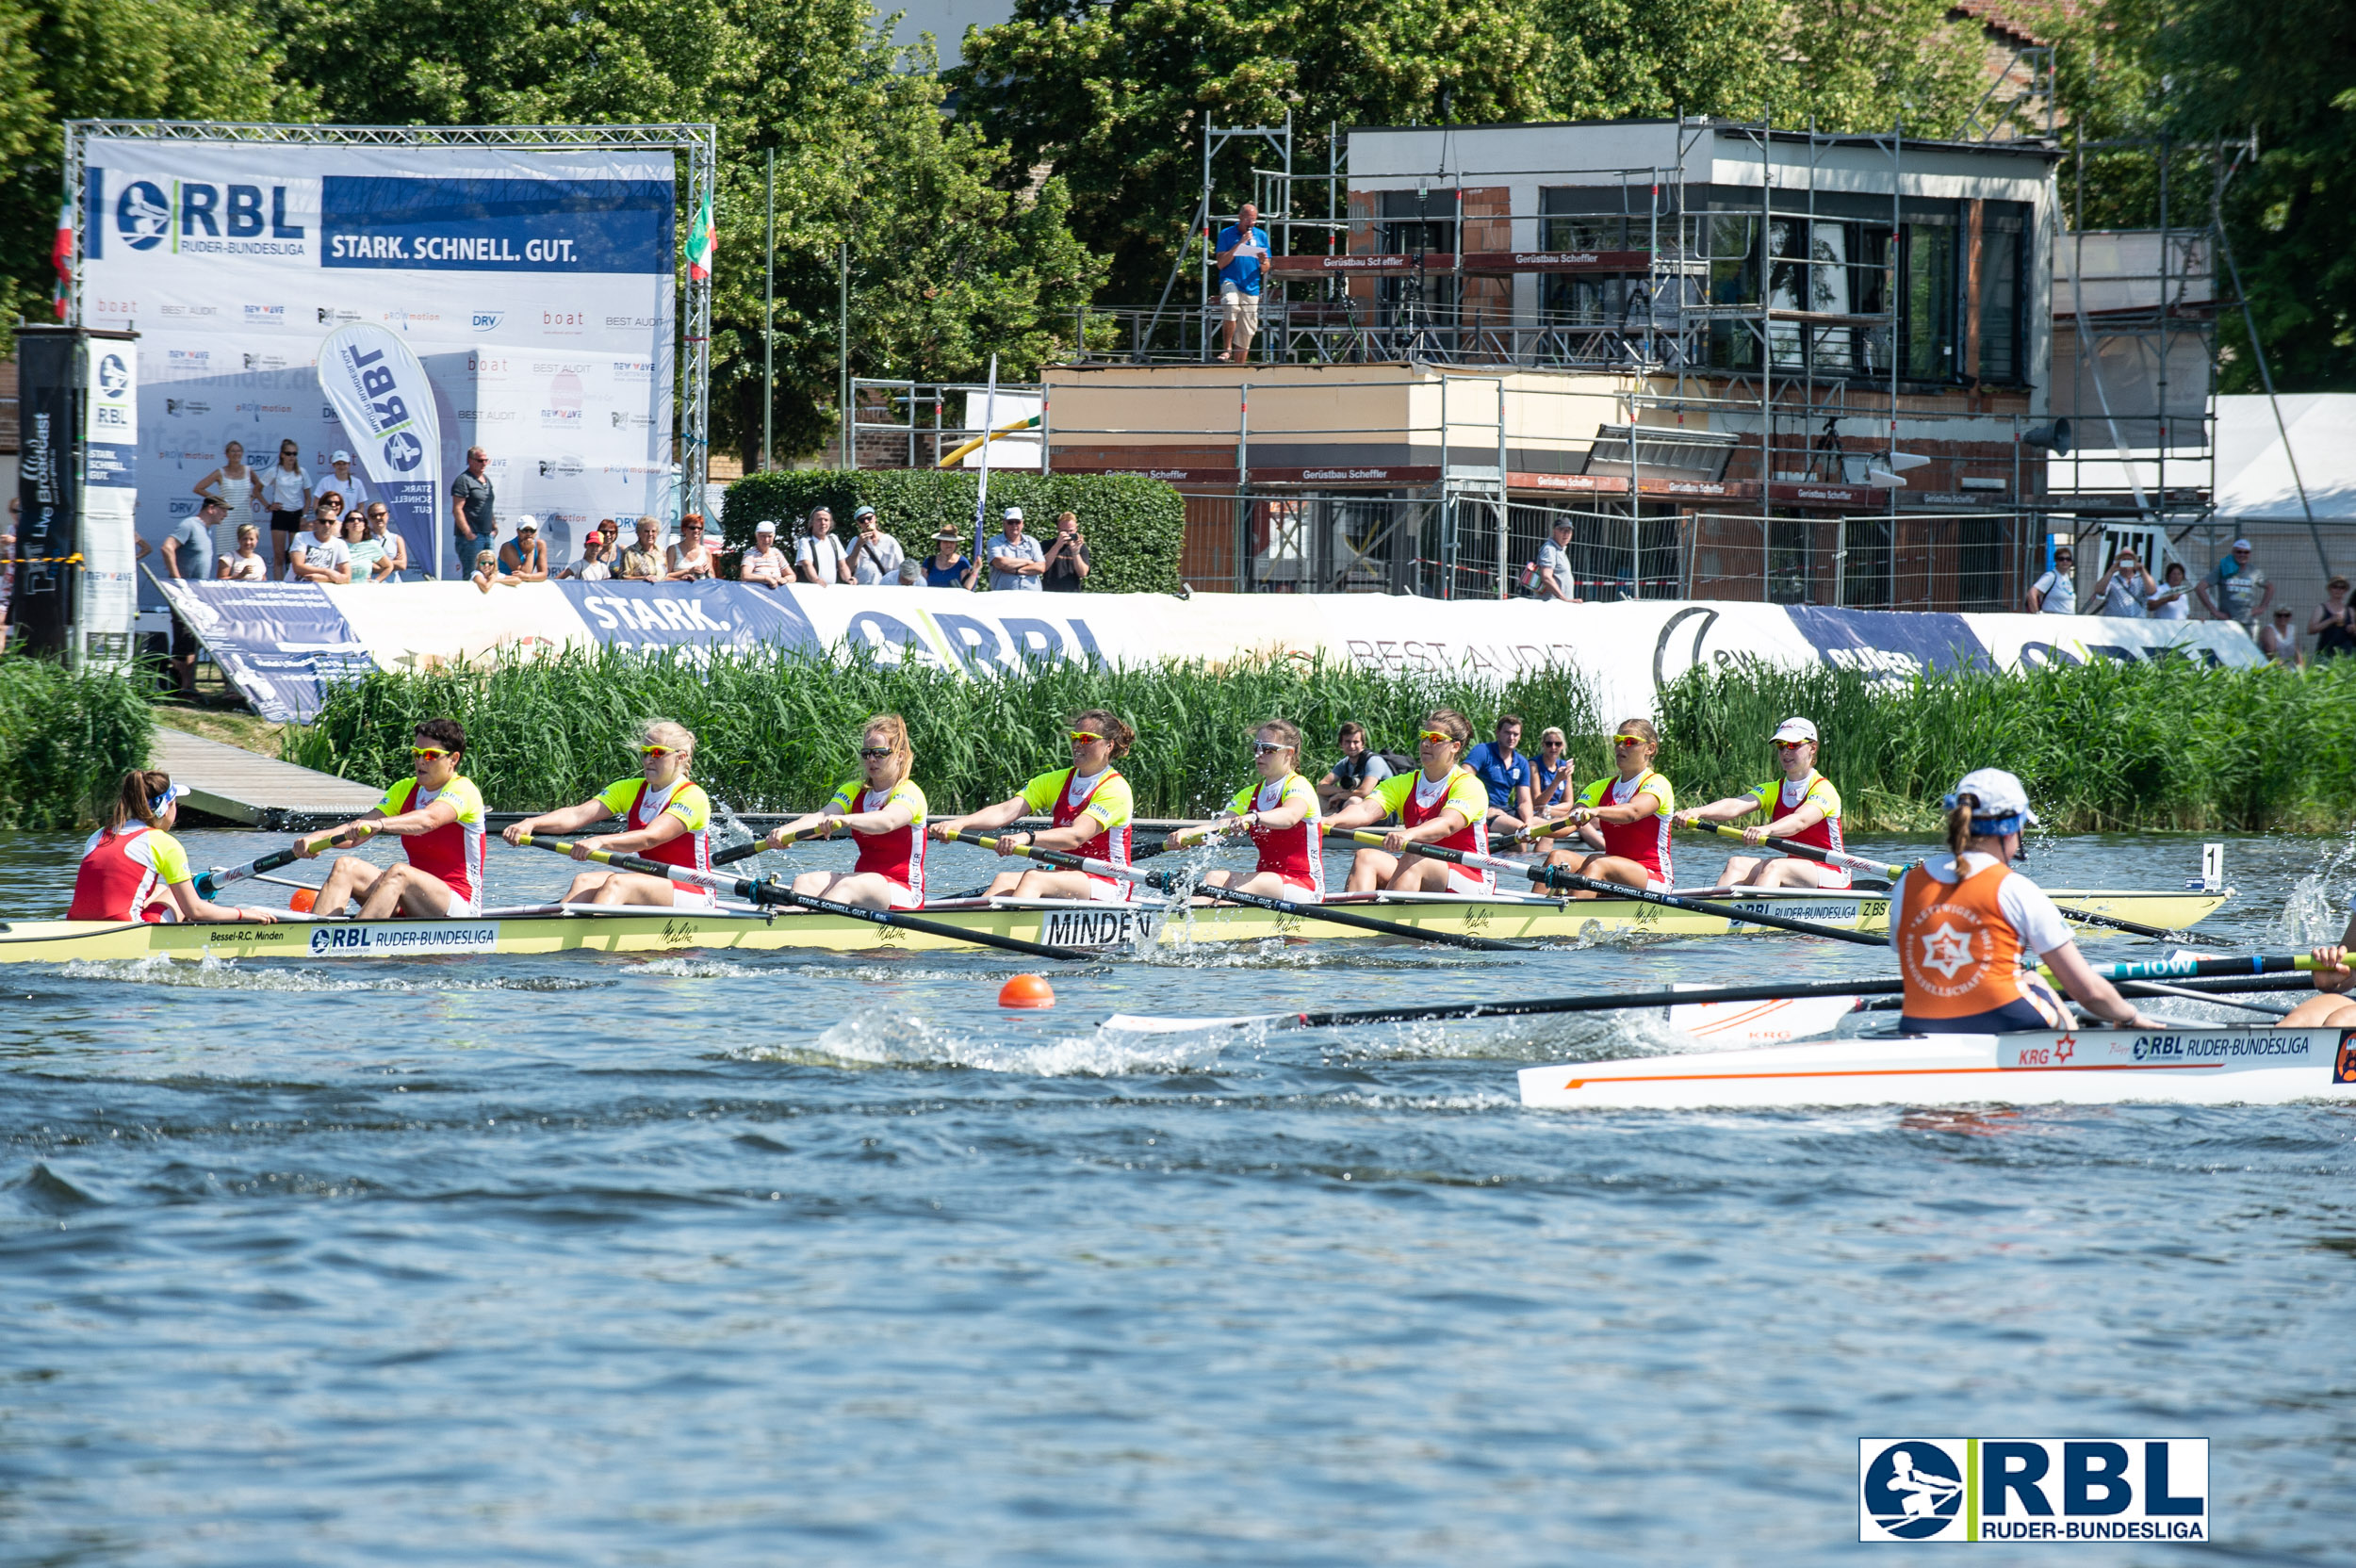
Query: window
(2004, 236)
(1418, 223)
(1926, 339)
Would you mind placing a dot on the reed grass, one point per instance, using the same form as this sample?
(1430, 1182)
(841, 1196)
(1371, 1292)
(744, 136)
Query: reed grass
(777, 730)
(66, 740)
(2170, 745)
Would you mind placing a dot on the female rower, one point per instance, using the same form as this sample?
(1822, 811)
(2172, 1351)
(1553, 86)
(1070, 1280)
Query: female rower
(1803, 805)
(1965, 923)
(1440, 804)
(883, 811)
(1624, 816)
(2331, 1006)
(1085, 802)
(134, 869)
(663, 817)
(1280, 814)
(437, 815)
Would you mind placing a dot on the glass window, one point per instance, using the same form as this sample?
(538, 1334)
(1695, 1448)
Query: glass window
(1928, 341)
(2001, 236)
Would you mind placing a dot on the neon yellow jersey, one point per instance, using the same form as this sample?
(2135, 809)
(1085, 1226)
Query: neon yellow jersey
(854, 798)
(1824, 835)
(688, 802)
(1645, 840)
(164, 857)
(453, 853)
(1464, 792)
(1253, 797)
(1111, 802)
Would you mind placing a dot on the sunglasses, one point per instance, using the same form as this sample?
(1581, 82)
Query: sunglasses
(875, 754)
(1261, 749)
(1551, 745)
(1629, 741)
(1435, 737)
(1080, 735)
(656, 751)
(1790, 746)
(430, 754)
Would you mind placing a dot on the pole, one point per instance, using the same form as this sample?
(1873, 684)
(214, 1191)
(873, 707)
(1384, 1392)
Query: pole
(981, 491)
(769, 326)
(842, 349)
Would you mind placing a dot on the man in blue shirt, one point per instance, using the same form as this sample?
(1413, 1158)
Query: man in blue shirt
(1242, 253)
(1506, 774)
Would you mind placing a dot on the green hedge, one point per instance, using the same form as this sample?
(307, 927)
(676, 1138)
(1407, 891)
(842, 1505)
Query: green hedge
(66, 740)
(777, 730)
(1134, 526)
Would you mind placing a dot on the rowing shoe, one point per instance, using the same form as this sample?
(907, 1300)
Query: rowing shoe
(766, 891)
(1566, 881)
(1883, 868)
(2123, 975)
(1162, 881)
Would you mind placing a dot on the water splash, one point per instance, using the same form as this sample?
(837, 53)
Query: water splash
(877, 1039)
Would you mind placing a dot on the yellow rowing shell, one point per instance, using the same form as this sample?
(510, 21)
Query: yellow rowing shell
(1064, 924)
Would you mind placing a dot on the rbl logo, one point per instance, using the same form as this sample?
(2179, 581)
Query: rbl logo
(145, 215)
(403, 451)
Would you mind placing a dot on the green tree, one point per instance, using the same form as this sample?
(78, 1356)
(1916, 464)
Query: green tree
(111, 59)
(1114, 97)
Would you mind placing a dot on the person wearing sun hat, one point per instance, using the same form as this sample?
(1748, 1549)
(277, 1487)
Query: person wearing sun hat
(1802, 805)
(1970, 930)
(948, 566)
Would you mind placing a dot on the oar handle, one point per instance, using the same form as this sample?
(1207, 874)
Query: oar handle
(1056, 858)
(218, 877)
(746, 851)
(1806, 852)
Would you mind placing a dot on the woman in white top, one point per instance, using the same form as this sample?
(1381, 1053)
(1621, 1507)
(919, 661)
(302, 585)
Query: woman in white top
(239, 489)
(764, 564)
(244, 564)
(687, 560)
(2172, 600)
(286, 489)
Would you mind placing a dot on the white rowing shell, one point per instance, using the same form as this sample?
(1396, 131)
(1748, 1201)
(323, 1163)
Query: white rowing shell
(2087, 1067)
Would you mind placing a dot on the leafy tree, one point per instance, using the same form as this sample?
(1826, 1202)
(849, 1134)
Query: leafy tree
(110, 59)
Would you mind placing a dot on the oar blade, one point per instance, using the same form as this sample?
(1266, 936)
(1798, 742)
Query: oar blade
(1768, 1022)
(1137, 1023)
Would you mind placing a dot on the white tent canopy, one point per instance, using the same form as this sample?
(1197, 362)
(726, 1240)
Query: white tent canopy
(2253, 471)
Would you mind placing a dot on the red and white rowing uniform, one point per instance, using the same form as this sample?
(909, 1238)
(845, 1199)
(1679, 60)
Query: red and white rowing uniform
(121, 871)
(1780, 797)
(1415, 800)
(1066, 798)
(1297, 853)
(1645, 840)
(453, 853)
(640, 807)
(897, 855)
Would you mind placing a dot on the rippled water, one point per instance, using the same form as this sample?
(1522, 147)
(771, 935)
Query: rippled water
(763, 1259)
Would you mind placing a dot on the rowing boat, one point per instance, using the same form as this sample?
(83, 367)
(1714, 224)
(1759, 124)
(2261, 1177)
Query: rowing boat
(560, 928)
(2204, 1065)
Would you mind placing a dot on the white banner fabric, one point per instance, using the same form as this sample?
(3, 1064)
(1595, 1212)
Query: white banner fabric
(535, 287)
(382, 397)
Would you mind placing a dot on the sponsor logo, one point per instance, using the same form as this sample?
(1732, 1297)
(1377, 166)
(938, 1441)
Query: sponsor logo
(365, 941)
(266, 362)
(486, 321)
(203, 219)
(266, 316)
(1110, 927)
(631, 421)
(192, 312)
(331, 317)
(191, 359)
(2344, 1069)
(114, 376)
(631, 369)
(142, 215)
(403, 451)
(562, 410)
(631, 322)
(266, 408)
(2033, 1489)
(560, 467)
(563, 322)
(1345, 473)
(2218, 1048)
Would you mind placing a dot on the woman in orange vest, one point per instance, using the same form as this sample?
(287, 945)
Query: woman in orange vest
(1625, 817)
(134, 869)
(1089, 806)
(664, 818)
(1968, 929)
(1442, 803)
(883, 811)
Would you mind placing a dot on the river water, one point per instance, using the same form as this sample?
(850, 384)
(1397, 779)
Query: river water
(704, 1260)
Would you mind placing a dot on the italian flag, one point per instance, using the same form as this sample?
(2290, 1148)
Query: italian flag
(701, 241)
(61, 255)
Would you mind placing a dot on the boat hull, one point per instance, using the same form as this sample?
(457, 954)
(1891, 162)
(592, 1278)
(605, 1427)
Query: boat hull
(1069, 923)
(2244, 1066)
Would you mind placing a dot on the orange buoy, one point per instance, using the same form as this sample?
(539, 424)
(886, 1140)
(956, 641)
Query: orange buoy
(1026, 991)
(301, 901)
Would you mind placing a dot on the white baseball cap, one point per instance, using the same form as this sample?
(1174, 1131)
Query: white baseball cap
(766, 527)
(1795, 729)
(2003, 801)
(1012, 515)
(2241, 544)
(527, 521)
(340, 457)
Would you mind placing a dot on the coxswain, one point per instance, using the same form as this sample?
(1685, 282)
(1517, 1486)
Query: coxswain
(665, 817)
(1089, 807)
(134, 869)
(883, 811)
(1802, 805)
(1622, 819)
(437, 815)
(1441, 803)
(1966, 926)
(1280, 811)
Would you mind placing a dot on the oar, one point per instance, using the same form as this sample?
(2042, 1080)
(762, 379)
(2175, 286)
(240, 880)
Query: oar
(208, 883)
(1883, 868)
(1165, 882)
(767, 892)
(746, 851)
(1561, 880)
(2127, 976)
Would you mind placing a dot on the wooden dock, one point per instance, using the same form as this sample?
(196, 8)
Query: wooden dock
(248, 790)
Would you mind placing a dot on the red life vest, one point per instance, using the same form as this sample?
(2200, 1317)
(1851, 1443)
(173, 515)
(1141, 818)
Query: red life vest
(110, 884)
(1472, 838)
(1297, 853)
(1957, 954)
(691, 849)
(1645, 840)
(897, 855)
(1112, 844)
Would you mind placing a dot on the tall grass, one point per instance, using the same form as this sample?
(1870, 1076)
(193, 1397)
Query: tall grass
(777, 730)
(66, 742)
(2172, 744)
